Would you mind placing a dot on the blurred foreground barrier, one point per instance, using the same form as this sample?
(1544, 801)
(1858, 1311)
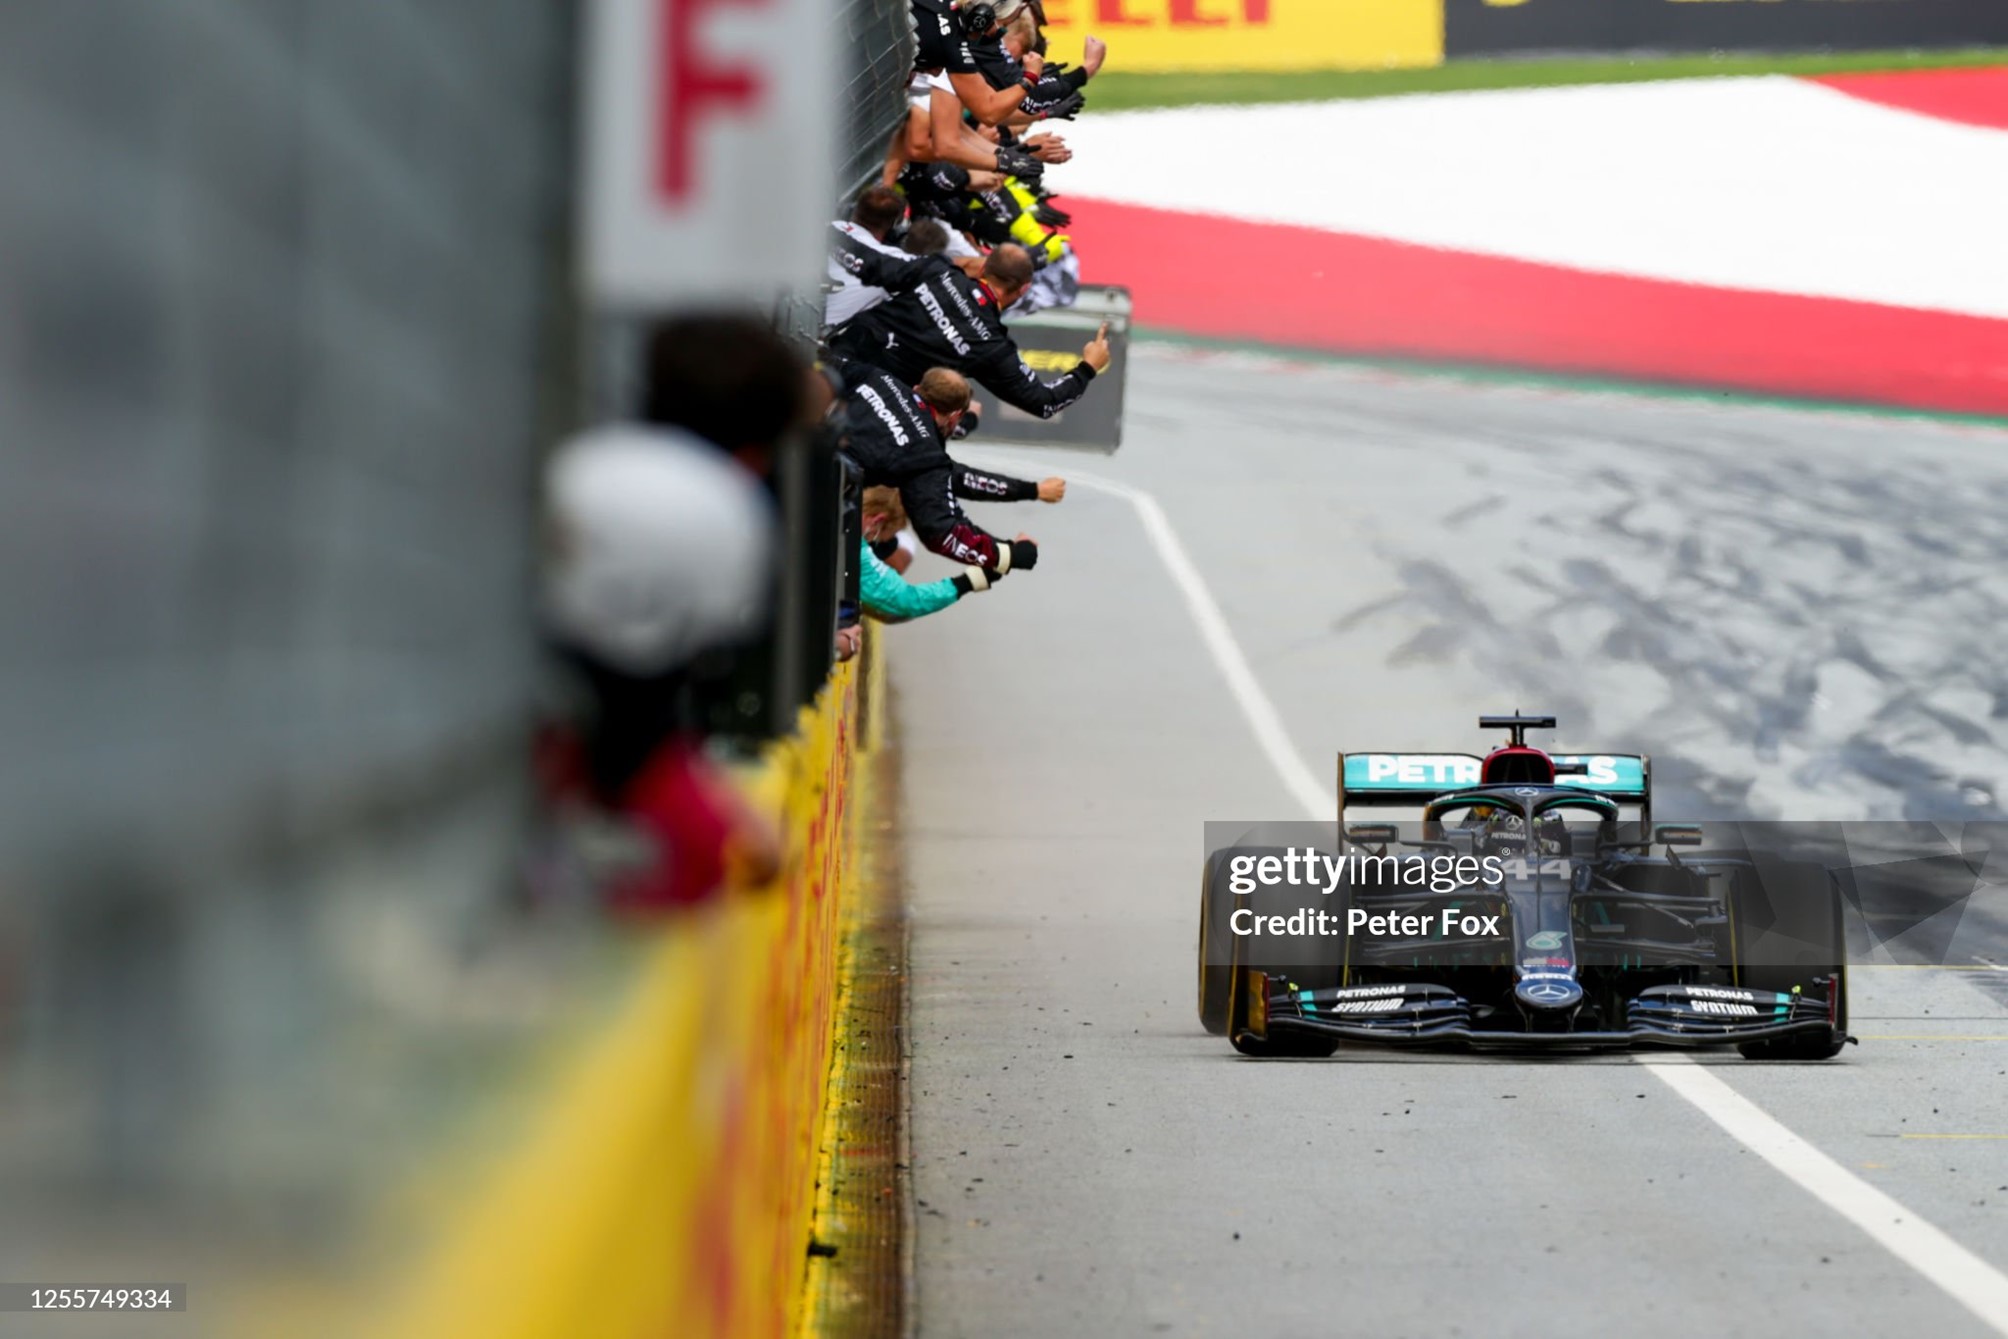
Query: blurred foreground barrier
(666, 1188)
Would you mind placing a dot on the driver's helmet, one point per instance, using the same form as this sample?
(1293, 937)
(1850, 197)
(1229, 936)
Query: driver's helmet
(1505, 833)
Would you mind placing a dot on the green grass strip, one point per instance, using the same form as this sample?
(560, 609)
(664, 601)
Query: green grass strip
(1114, 90)
(1486, 374)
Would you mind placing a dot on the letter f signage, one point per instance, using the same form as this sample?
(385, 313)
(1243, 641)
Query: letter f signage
(694, 85)
(710, 150)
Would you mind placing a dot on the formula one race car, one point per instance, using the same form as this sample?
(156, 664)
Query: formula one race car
(1522, 912)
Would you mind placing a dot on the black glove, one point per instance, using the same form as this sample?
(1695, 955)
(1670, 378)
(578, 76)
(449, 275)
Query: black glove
(971, 421)
(1017, 163)
(1051, 216)
(975, 579)
(1066, 109)
(1024, 555)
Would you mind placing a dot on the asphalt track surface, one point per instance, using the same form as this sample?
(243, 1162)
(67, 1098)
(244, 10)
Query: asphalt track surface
(1797, 612)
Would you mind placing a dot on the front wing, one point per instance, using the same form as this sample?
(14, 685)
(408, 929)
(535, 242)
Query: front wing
(1424, 1014)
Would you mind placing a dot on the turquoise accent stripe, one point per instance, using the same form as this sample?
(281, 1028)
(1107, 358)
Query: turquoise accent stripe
(1609, 774)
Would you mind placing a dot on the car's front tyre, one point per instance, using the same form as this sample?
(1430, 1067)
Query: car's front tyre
(1796, 903)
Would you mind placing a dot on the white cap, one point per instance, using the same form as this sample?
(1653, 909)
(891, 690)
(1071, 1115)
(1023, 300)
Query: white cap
(663, 546)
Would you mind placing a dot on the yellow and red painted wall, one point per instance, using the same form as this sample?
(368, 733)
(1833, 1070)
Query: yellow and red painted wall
(664, 1186)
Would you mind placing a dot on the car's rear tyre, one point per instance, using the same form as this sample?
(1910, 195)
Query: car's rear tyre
(1801, 903)
(1213, 976)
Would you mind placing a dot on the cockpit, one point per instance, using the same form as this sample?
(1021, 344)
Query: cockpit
(1525, 821)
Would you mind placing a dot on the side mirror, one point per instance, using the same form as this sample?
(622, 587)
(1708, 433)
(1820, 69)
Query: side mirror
(1373, 834)
(1677, 834)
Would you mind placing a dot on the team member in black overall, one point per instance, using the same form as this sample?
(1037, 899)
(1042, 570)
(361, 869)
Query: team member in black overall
(949, 82)
(897, 434)
(940, 317)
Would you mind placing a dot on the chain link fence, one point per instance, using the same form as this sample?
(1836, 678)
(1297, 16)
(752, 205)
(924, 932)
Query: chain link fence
(276, 299)
(282, 329)
(286, 323)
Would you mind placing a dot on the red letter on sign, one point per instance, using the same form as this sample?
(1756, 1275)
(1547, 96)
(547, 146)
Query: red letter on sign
(1185, 14)
(692, 87)
(1256, 11)
(1111, 12)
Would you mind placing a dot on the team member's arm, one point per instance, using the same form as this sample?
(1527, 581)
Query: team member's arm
(889, 598)
(944, 528)
(1011, 381)
(983, 486)
(875, 269)
(1002, 372)
(952, 142)
(853, 256)
(1052, 99)
(993, 96)
(1045, 92)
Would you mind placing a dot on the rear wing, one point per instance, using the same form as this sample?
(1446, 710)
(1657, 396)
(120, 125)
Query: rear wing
(1411, 780)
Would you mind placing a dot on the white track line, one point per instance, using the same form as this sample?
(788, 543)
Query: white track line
(1962, 1275)
(1318, 802)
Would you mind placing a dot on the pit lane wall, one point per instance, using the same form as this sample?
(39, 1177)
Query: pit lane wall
(666, 1187)
(1152, 36)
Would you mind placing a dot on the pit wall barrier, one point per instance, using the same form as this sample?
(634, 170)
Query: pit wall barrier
(665, 1191)
(1159, 36)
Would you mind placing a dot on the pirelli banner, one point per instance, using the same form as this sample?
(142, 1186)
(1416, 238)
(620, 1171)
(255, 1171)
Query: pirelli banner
(1518, 27)
(1159, 35)
(1150, 36)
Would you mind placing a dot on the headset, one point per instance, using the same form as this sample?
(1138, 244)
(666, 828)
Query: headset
(978, 19)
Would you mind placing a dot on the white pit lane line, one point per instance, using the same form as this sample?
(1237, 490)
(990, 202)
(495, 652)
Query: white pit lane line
(1965, 1277)
(1320, 804)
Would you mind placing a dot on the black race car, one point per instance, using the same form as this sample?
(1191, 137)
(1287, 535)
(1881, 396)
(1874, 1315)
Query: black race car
(1527, 909)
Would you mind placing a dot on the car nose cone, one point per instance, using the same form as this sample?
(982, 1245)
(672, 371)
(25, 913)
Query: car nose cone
(1548, 992)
